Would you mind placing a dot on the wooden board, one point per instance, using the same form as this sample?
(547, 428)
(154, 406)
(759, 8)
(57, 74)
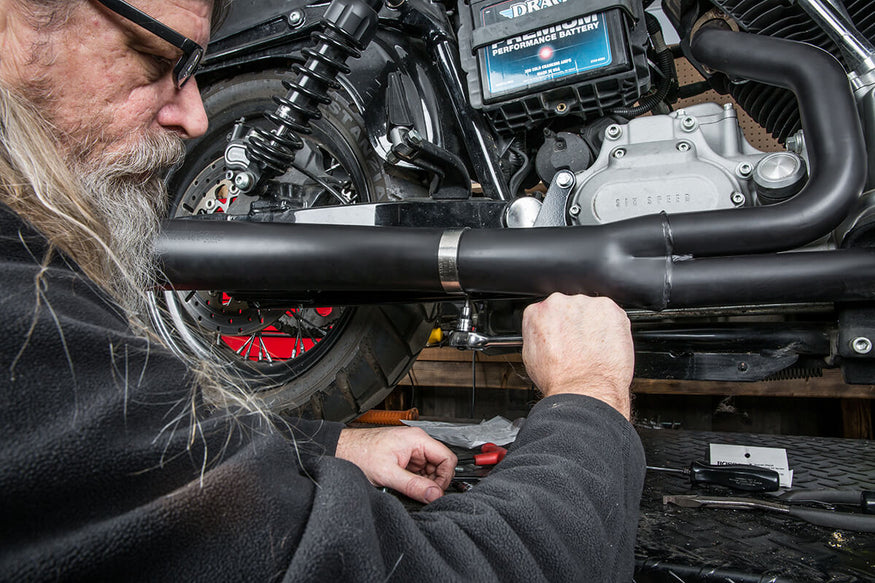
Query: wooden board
(448, 367)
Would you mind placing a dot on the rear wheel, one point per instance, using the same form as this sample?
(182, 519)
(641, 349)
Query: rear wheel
(330, 362)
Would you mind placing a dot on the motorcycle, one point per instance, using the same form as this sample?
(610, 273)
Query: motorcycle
(381, 177)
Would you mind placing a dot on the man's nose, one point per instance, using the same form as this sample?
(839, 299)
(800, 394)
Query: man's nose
(184, 112)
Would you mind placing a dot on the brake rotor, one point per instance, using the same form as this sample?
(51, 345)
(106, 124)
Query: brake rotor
(255, 328)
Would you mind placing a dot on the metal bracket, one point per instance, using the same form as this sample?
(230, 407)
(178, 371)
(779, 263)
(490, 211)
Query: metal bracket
(553, 210)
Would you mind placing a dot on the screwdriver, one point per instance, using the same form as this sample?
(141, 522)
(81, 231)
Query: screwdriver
(737, 477)
(491, 455)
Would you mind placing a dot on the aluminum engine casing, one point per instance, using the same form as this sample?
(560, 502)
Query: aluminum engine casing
(694, 159)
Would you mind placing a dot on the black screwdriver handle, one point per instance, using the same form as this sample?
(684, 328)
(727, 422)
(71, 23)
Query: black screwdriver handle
(737, 477)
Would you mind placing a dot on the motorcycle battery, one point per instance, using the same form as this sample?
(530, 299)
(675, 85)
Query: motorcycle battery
(530, 59)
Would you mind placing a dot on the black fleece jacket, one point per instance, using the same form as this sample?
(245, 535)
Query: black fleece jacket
(106, 473)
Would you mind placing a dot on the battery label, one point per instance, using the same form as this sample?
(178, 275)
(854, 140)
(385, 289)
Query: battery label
(557, 51)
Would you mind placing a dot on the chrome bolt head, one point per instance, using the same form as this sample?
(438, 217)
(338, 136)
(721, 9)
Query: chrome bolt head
(861, 345)
(683, 147)
(296, 18)
(744, 169)
(613, 132)
(737, 198)
(564, 179)
(574, 210)
(415, 137)
(689, 123)
(619, 153)
(243, 181)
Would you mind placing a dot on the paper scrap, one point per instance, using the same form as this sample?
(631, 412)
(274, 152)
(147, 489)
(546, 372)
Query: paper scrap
(497, 430)
(772, 458)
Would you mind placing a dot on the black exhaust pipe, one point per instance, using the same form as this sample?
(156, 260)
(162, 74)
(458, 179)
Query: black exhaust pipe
(655, 262)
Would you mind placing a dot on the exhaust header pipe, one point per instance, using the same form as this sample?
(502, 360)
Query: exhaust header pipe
(655, 262)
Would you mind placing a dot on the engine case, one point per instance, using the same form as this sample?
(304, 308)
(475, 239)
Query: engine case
(695, 159)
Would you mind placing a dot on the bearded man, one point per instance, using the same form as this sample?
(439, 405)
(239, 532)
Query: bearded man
(111, 465)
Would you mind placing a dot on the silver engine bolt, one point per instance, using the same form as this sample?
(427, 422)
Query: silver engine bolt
(744, 169)
(296, 18)
(613, 132)
(683, 146)
(574, 210)
(861, 345)
(737, 198)
(796, 142)
(688, 123)
(619, 153)
(564, 179)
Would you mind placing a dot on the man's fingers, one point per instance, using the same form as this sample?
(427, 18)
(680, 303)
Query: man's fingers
(444, 472)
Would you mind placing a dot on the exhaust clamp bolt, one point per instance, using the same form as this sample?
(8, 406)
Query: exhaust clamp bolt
(683, 146)
(574, 210)
(737, 198)
(613, 132)
(296, 18)
(619, 153)
(688, 123)
(564, 179)
(861, 345)
(744, 169)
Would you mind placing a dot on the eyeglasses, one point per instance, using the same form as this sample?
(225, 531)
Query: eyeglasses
(192, 53)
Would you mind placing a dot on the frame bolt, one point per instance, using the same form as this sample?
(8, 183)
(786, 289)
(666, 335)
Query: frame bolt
(613, 132)
(737, 198)
(574, 210)
(296, 18)
(861, 345)
(564, 179)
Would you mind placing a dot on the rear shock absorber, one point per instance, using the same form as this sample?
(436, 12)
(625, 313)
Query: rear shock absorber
(348, 27)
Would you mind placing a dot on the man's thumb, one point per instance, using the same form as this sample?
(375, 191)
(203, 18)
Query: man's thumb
(421, 488)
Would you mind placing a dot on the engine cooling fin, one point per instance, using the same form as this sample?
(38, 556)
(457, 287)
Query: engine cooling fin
(772, 107)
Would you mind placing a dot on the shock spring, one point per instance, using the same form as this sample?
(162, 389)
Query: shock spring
(348, 27)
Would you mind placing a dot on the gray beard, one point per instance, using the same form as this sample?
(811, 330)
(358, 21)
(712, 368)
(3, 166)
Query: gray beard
(126, 189)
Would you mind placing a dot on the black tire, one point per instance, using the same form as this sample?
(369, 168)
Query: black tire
(365, 351)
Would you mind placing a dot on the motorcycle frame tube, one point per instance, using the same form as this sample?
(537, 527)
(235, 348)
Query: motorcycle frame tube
(643, 262)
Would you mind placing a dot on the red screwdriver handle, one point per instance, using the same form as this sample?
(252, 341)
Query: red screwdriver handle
(491, 447)
(487, 459)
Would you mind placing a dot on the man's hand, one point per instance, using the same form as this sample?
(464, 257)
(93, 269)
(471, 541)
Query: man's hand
(582, 345)
(405, 459)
